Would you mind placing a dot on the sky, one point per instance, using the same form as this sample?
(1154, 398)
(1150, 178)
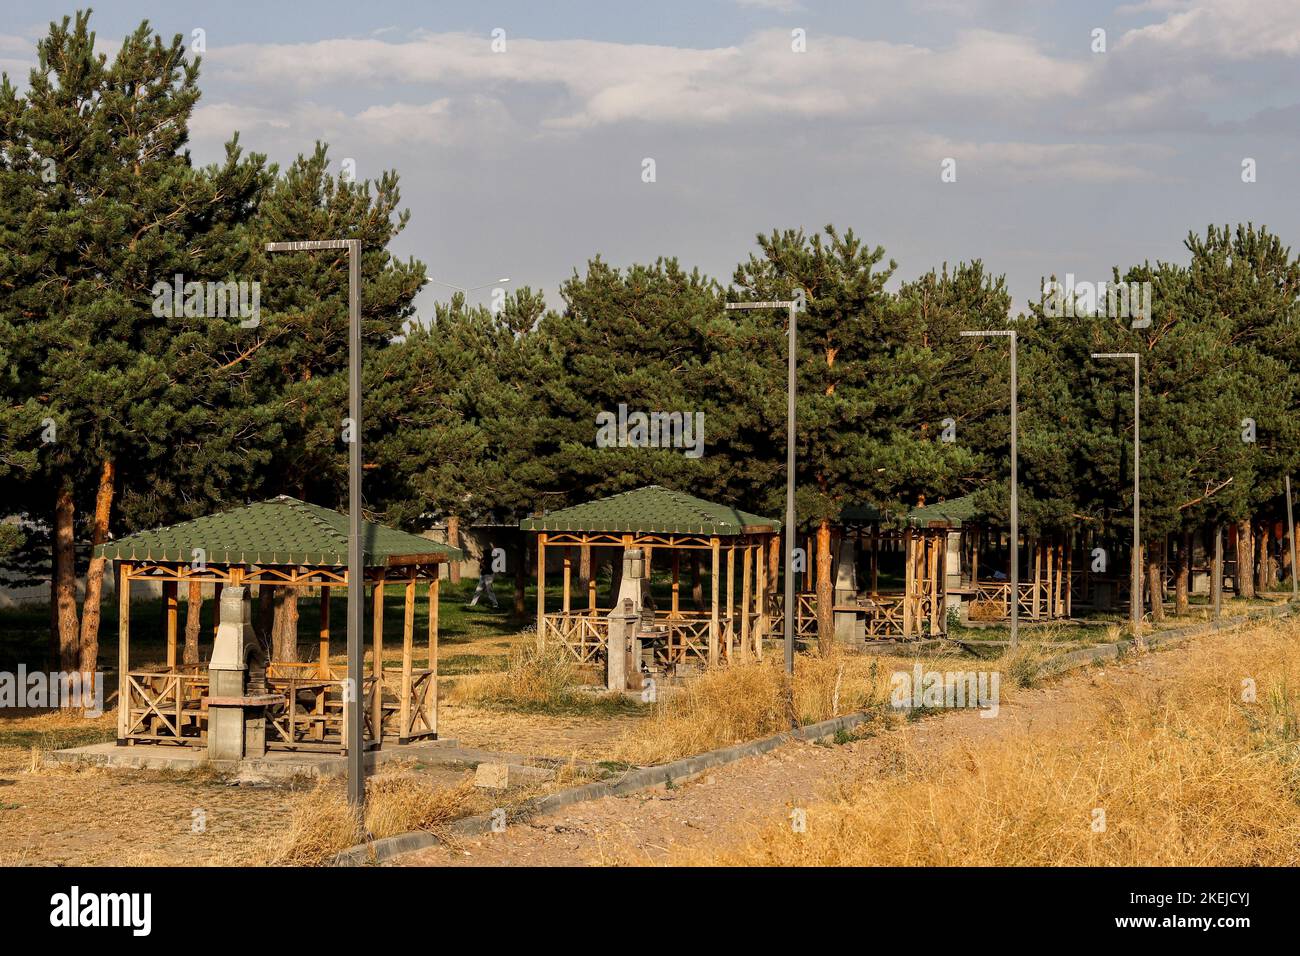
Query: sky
(521, 131)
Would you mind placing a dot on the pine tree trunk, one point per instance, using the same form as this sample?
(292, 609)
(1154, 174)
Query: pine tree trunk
(453, 539)
(90, 611)
(193, 622)
(1155, 586)
(584, 564)
(1244, 579)
(697, 584)
(284, 625)
(65, 577)
(1264, 568)
(825, 596)
(1184, 576)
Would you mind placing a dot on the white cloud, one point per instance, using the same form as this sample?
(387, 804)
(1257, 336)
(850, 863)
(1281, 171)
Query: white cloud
(1224, 29)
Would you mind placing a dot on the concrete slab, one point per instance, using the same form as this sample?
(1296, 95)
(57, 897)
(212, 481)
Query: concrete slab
(275, 765)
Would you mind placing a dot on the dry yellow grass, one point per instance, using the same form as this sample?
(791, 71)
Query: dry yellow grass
(1185, 771)
(749, 700)
(541, 680)
(323, 824)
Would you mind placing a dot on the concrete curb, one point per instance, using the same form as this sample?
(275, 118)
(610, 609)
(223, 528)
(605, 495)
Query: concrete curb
(1091, 655)
(682, 770)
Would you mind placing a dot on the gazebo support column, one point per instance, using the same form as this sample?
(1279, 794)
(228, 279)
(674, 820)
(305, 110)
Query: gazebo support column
(713, 617)
(731, 602)
(323, 662)
(568, 575)
(745, 555)
(908, 574)
(170, 616)
(677, 581)
(541, 592)
(377, 667)
(408, 650)
(123, 650)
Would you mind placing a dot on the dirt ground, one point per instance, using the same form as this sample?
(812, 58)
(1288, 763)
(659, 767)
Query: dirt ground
(724, 805)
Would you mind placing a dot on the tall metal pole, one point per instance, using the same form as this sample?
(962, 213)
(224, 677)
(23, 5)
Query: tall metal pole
(789, 490)
(1015, 507)
(1290, 533)
(355, 742)
(1136, 609)
(356, 567)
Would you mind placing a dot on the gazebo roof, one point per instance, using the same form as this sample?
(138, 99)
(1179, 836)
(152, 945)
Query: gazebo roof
(282, 530)
(951, 513)
(654, 510)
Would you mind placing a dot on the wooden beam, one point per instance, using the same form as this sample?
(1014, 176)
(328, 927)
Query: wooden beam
(123, 647)
(568, 575)
(746, 555)
(171, 608)
(713, 617)
(677, 581)
(408, 649)
(731, 602)
(377, 667)
(323, 663)
(541, 591)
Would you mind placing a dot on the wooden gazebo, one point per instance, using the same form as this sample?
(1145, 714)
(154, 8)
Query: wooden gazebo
(657, 520)
(283, 542)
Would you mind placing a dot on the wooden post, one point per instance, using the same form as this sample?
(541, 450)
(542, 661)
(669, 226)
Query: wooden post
(408, 650)
(713, 618)
(171, 606)
(908, 588)
(377, 668)
(975, 557)
(1069, 576)
(568, 575)
(541, 591)
(431, 697)
(123, 649)
(677, 582)
(936, 608)
(323, 665)
(1049, 561)
(1037, 548)
(731, 601)
(745, 597)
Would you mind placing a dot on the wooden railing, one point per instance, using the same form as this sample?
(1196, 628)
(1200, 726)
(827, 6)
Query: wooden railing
(676, 638)
(166, 706)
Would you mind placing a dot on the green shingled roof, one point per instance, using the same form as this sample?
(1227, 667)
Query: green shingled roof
(653, 510)
(280, 531)
(951, 513)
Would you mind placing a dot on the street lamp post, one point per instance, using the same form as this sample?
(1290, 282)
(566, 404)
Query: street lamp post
(1015, 491)
(1135, 596)
(356, 569)
(792, 306)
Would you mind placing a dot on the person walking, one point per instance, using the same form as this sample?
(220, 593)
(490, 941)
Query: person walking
(485, 579)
